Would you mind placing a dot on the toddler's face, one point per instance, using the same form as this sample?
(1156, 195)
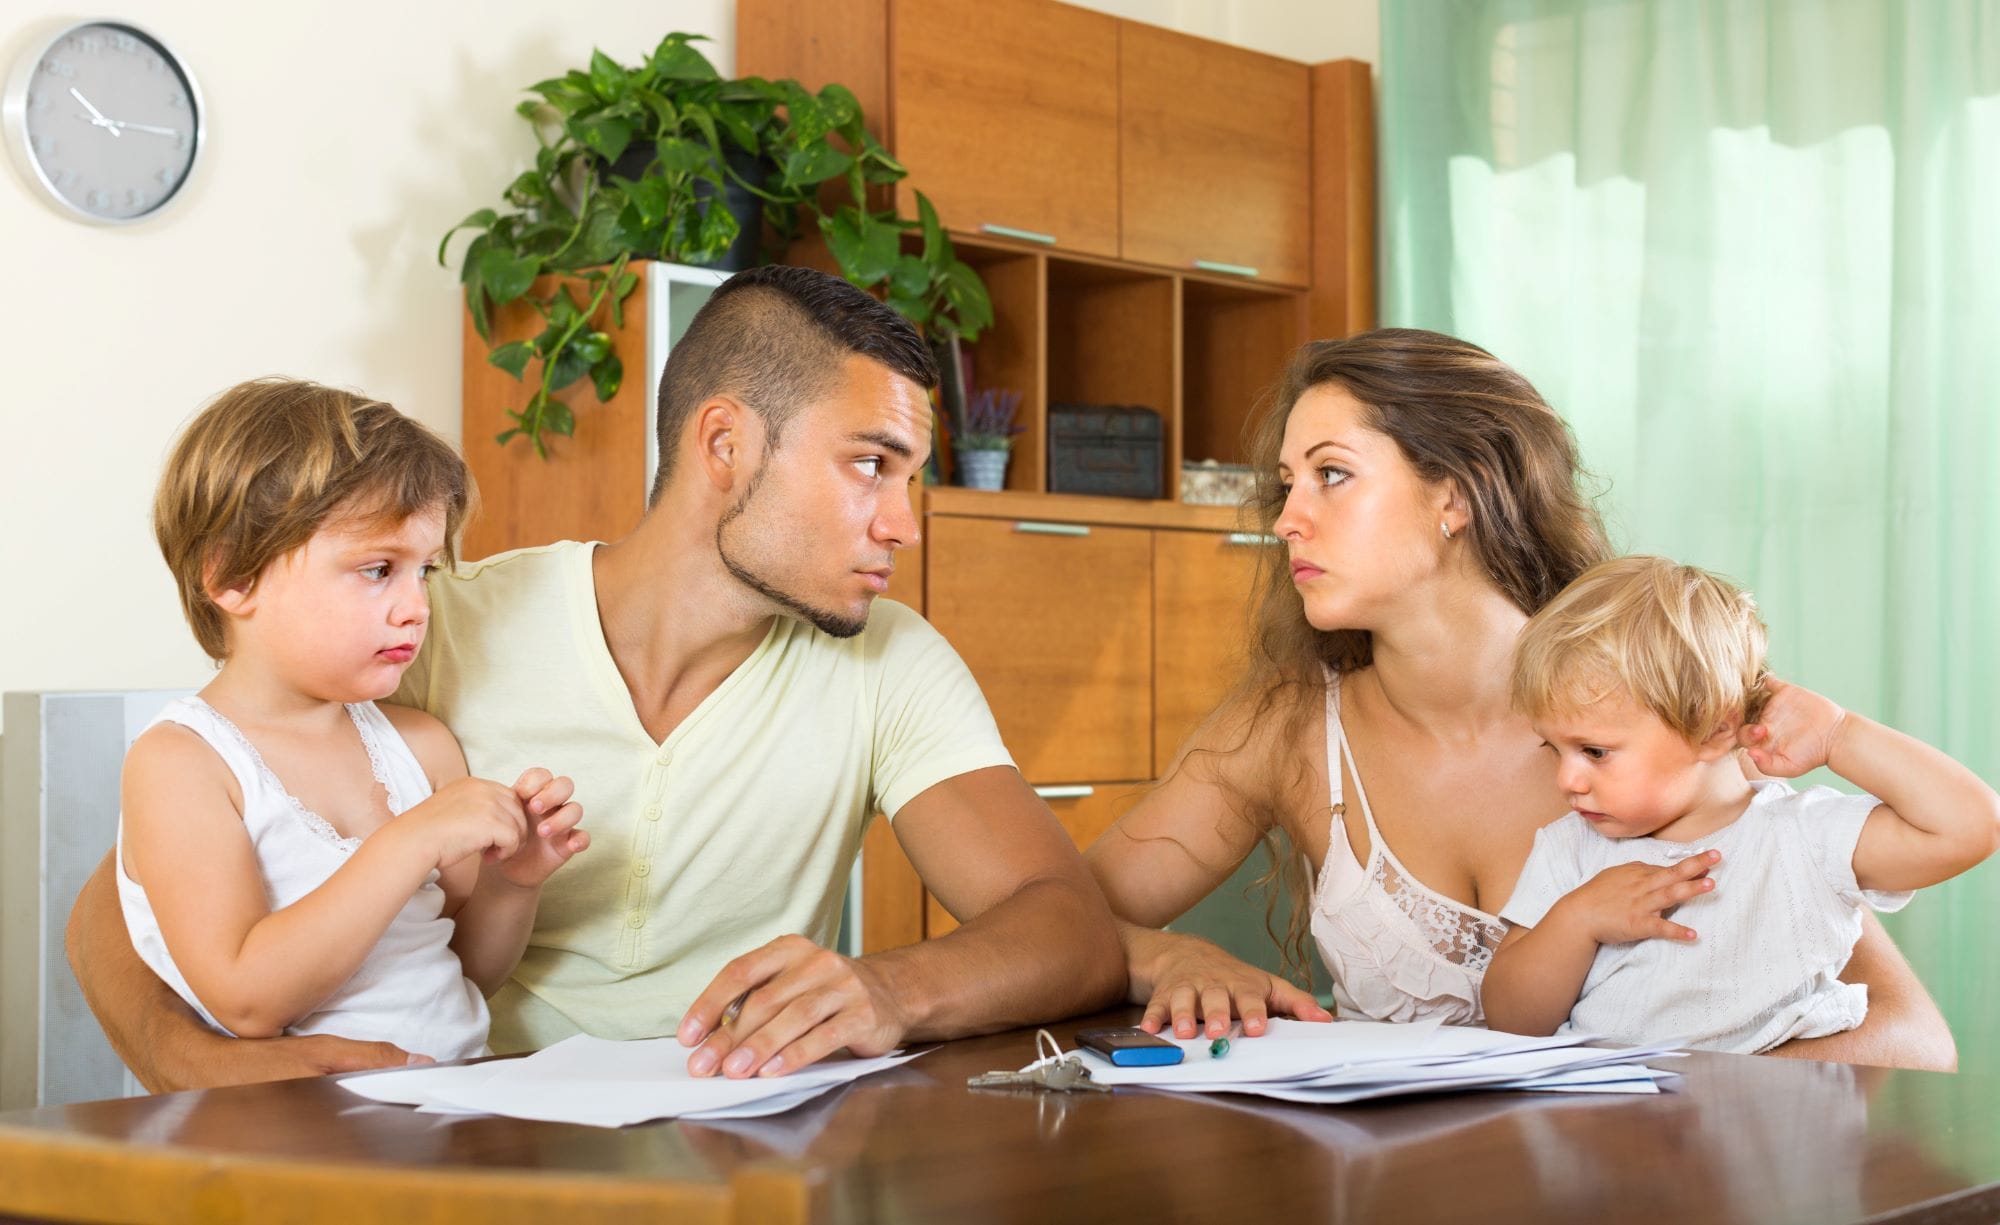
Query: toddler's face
(341, 616)
(1624, 771)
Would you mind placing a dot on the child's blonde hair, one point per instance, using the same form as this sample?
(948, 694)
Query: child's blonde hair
(1681, 643)
(268, 462)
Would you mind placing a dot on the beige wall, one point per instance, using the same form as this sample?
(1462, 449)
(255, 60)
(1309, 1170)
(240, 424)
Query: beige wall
(343, 140)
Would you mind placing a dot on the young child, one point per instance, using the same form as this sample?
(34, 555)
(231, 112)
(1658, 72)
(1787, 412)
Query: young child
(292, 857)
(1645, 677)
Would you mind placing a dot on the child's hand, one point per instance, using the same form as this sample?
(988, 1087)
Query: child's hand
(465, 817)
(552, 837)
(1796, 732)
(1626, 903)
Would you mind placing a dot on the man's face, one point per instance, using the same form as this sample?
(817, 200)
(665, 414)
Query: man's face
(817, 527)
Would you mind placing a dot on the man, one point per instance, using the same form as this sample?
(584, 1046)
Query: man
(733, 710)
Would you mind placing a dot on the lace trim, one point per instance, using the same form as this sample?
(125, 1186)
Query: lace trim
(1460, 937)
(315, 824)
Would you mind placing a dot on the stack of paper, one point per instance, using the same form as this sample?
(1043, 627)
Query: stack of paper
(607, 1084)
(1352, 1061)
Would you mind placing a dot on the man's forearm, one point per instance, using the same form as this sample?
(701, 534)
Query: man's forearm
(1050, 950)
(150, 1027)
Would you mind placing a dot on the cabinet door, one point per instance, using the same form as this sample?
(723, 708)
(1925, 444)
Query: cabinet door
(1006, 114)
(1057, 629)
(1202, 592)
(1085, 813)
(1213, 141)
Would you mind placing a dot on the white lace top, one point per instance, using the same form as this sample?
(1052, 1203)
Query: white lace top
(1398, 950)
(410, 989)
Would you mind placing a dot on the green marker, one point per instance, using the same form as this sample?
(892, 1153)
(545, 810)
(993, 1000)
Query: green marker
(1218, 1048)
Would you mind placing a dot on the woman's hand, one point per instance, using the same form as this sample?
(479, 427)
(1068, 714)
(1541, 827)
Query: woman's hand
(1183, 978)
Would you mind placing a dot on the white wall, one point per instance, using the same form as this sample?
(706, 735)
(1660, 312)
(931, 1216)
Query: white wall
(343, 140)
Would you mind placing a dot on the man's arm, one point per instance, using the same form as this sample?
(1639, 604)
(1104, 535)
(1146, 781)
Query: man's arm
(1904, 1028)
(1037, 942)
(164, 1041)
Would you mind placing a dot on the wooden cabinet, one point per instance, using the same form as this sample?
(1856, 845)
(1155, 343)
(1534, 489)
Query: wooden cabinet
(1054, 619)
(1007, 113)
(1202, 593)
(1214, 170)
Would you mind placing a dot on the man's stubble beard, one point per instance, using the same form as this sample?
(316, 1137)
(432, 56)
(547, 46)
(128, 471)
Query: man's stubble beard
(830, 623)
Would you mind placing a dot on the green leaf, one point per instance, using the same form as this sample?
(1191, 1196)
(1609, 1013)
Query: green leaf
(675, 60)
(839, 106)
(909, 278)
(513, 358)
(566, 367)
(678, 156)
(592, 347)
(506, 436)
(558, 419)
(816, 163)
(481, 220)
(607, 376)
(935, 242)
(475, 303)
(916, 310)
(607, 76)
(607, 136)
(652, 197)
(507, 275)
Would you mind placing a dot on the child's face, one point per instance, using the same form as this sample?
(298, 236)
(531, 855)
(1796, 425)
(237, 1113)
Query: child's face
(340, 617)
(1625, 772)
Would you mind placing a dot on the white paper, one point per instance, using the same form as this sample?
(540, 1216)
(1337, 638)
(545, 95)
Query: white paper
(604, 1083)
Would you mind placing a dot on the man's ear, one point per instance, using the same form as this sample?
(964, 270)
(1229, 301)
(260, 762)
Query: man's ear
(722, 440)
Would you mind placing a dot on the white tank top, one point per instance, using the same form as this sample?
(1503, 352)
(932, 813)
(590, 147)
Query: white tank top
(410, 990)
(1398, 950)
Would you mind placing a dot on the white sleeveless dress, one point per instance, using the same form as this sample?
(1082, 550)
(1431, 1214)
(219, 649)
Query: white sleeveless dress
(1398, 950)
(411, 989)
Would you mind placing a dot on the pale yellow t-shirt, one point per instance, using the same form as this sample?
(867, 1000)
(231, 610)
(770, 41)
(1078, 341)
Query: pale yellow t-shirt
(742, 826)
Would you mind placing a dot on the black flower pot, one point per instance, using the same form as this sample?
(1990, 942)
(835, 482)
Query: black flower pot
(741, 203)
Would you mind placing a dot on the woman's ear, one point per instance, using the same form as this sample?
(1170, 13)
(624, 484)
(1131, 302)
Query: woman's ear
(1454, 512)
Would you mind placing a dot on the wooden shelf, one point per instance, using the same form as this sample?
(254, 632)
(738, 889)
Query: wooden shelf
(1082, 508)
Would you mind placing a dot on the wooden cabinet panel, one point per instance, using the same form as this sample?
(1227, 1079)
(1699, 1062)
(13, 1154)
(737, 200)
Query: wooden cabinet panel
(1084, 818)
(1057, 629)
(1202, 588)
(1213, 171)
(1006, 113)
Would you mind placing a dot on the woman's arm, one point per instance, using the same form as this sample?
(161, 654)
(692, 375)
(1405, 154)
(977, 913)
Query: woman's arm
(1904, 1028)
(1170, 851)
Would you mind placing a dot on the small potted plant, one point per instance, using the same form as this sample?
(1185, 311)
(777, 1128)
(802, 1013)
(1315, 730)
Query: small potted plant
(983, 438)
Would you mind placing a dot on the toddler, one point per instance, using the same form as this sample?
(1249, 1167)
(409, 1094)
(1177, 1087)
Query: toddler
(1644, 678)
(292, 857)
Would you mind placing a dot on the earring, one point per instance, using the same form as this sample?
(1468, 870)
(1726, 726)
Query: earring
(1446, 529)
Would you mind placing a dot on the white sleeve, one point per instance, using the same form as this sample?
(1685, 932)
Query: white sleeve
(1554, 868)
(1832, 821)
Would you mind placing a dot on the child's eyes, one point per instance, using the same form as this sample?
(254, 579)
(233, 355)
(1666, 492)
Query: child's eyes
(428, 569)
(377, 572)
(1594, 753)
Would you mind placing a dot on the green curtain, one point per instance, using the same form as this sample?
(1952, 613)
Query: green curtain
(1751, 250)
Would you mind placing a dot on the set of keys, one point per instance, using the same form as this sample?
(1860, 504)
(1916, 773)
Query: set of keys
(1055, 1071)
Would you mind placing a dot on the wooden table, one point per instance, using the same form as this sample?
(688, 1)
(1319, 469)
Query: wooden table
(1748, 1139)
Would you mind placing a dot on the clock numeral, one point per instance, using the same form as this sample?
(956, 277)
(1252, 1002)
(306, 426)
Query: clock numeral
(135, 200)
(59, 68)
(153, 61)
(37, 102)
(164, 176)
(100, 200)
(125, 43)
(65, 178)
(182, 140)
(177, 102)
(42, 145)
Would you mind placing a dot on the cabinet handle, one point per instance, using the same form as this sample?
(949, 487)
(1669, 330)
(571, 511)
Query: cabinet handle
(1030, 528)
(1209, 265)
(1080, 791)
(1008, 231)
(1255, 539)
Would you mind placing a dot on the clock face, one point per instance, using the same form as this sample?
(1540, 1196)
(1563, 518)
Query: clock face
(108, 119)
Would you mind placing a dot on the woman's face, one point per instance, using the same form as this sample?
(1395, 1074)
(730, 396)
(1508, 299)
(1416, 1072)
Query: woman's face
(1361, 525)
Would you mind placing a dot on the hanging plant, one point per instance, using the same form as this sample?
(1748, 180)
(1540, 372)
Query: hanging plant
(637, 163)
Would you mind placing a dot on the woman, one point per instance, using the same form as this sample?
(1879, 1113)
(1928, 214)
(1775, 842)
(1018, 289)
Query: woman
(1427, 497)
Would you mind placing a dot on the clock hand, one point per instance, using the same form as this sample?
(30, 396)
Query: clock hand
(143, 127)
(97, 116)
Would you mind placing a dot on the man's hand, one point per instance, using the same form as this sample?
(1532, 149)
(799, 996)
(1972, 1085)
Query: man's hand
(1626, 903)
(803, 1003)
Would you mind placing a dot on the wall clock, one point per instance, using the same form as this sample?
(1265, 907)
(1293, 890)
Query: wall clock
(104, 120)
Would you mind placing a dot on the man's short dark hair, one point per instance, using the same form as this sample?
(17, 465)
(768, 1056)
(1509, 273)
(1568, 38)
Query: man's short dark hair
(775, 337)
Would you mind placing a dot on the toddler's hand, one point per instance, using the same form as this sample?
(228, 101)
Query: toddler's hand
(1626, 903)
(1796, 732)
(553, 835)
(465, 817)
